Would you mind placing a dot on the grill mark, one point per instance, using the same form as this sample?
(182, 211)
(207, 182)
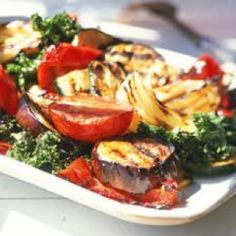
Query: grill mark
(131, 55)
(163, 108)
(115, 69)
(131, 91)
(98, 70)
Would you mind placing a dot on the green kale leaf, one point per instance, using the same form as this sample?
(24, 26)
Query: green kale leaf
(55, 29)
(8, 127)
(212, 141)
(49, 151)
(24, 69)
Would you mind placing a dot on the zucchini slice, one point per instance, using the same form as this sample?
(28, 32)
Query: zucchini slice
(217, 168)
(135, 57)
(72, 83)
(105, 78)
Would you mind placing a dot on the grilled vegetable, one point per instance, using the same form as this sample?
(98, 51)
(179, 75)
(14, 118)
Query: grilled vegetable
(105, 78)
(189, 96)
(9, 95)
(72, 83)
(232, 95)
(94, 38)
(213, 169)
(130, 166)
(59, 60)
(137, 91)
(209, 149)
(15, 37)
(205, 68)
(135, 57)
(30, 117)
(79, 172)
(89, 118)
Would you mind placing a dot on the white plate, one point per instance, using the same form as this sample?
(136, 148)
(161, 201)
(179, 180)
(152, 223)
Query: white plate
(201, 197)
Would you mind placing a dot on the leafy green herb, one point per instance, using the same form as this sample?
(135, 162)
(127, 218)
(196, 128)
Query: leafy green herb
(23, 148)
(214, 140)
(58, 28)
(8, 127)
(207, 144)
(159, 133)
(24, 69)
(49, 151)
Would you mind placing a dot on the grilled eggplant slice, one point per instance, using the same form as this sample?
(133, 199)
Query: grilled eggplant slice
(105, 78)
(15, 37)
(30, 117)
(132, 166)
(95, 38)
(135, 57)
(72, 83)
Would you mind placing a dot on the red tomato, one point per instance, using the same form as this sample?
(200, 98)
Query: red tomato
(109, 192)
(4, 147)
(89, 118)
(167, 195)
(62, 59)
(205, 68)
(211, 68)
(225, 112)
(77, 172)
(8, 93)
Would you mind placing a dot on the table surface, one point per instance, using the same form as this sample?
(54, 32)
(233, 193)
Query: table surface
(27, 210)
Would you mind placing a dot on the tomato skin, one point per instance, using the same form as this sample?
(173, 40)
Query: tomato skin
(4, 147)
(167, 195)
(91, 119)
(8, 93)
(62, 59)
(211, 68)
(225, 112)
(205, 68)
(79, 172)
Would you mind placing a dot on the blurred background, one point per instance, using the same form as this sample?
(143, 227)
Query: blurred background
(215, 19)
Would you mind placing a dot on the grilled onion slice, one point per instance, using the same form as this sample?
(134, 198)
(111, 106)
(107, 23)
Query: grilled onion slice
(189, 96)
(136, 90)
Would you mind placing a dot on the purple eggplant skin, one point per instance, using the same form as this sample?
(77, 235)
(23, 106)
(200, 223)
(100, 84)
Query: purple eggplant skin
(232, 96)
(131, 178)
(95, 38)
(30, 117)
